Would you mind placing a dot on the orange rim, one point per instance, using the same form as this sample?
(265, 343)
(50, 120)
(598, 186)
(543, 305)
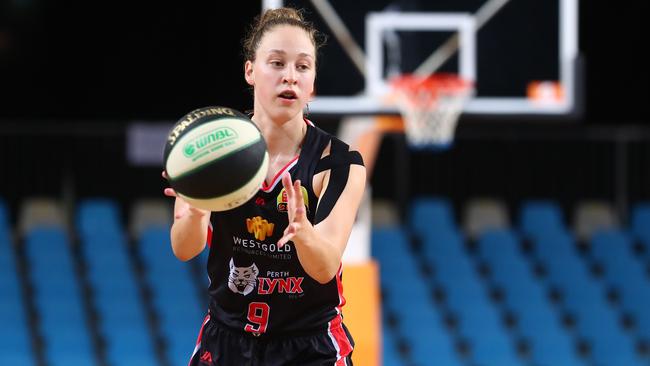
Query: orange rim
(444, 82)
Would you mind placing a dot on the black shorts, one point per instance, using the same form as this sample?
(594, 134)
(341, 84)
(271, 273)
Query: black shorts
(219, 346)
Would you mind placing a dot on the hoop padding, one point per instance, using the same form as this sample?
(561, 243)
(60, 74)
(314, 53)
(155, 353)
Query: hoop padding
(430, 107)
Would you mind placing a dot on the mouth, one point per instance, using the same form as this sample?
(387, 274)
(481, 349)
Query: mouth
(288, 95)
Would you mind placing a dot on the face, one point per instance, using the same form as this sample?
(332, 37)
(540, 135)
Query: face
(283, 72)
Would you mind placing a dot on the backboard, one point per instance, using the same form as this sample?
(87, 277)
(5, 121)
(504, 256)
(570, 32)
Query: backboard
(521, 55)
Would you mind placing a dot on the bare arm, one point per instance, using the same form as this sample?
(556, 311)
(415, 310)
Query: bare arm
(321, 247)
(189, 231)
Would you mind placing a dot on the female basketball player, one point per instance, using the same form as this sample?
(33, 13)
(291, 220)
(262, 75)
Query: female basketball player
(275, 262)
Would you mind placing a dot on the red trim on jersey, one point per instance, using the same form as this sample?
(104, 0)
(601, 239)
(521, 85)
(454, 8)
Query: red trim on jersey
(337, 334)
(341, 362)
(278, 175)
(339, 286)
(340, 339)
(209, 238)
(198, 339)
(205, 321)
(269, 187)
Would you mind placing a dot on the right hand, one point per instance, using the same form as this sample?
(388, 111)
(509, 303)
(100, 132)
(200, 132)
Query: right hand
(182, 208)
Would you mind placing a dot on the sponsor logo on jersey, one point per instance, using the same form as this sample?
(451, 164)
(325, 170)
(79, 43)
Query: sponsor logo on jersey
(282, 200)
(260, 246)
(242, 280)
(259, 227)
(206, 358)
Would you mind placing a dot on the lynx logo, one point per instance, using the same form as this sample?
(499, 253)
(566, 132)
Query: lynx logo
(259, 227)
(289, 285)
(281, 200)
(242, 279)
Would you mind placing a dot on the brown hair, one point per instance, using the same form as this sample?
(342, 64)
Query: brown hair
(275, 17)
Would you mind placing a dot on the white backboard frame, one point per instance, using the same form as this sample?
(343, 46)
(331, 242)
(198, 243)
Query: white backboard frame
(370, 101)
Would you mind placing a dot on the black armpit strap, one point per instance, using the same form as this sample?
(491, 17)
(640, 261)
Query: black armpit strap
(341, 159)
(338, 162)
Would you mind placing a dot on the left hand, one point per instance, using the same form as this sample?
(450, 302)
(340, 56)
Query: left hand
(298, 222)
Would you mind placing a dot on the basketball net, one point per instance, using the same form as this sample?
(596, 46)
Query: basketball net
(430, 107)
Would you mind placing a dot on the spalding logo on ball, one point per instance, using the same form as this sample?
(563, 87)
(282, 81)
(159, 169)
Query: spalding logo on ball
(216, 158)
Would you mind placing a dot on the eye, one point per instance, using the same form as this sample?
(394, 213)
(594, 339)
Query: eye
(304, 67)
(277, 63)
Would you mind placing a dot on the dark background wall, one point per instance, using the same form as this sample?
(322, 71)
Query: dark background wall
(146, 60)
(74, 74)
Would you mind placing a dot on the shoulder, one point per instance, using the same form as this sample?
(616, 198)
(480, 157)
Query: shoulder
(332, 144)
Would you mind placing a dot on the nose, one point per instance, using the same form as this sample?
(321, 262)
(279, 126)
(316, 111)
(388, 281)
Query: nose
(290, 76)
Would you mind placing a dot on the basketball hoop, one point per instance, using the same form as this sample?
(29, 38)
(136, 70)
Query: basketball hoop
(430, 107)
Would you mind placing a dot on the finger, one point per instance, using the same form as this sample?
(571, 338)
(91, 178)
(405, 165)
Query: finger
(289, 186)
(288, 235)
(300, 213)
(298, 193)
(164, 174)
(170, 192)
(298, 202)
(288, 189)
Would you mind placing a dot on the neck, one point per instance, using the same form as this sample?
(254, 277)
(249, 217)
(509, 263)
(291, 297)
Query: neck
(282, 139)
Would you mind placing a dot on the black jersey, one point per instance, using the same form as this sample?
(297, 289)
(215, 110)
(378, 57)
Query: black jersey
(259, 288)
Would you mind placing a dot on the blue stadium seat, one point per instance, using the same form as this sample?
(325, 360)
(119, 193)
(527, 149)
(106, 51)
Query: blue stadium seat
(567, 274)
(408, 297)
(129, 345)
(524, 297)
(389, 348)
(540, 217)
(554, 245)
(598, 325)
(122, 319)
(626, 275)
(579, 293)
(427, 214)
(98, 216)
(622, 271)
(444, 243)
(174, 294)
(583, 298)
(15, 342)
(640, 225)
(16, 358)
(58, 298)
(554, 347)
(465, 297)
(497, 246)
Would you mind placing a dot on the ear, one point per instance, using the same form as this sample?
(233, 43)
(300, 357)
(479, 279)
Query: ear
(248, 73)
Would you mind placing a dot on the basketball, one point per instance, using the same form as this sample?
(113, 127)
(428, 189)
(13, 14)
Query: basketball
(215, 158)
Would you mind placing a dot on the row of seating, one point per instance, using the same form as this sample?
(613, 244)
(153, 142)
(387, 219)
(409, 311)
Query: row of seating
(98, 296)
(587, 218)
(532, 294)
(15, 340)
